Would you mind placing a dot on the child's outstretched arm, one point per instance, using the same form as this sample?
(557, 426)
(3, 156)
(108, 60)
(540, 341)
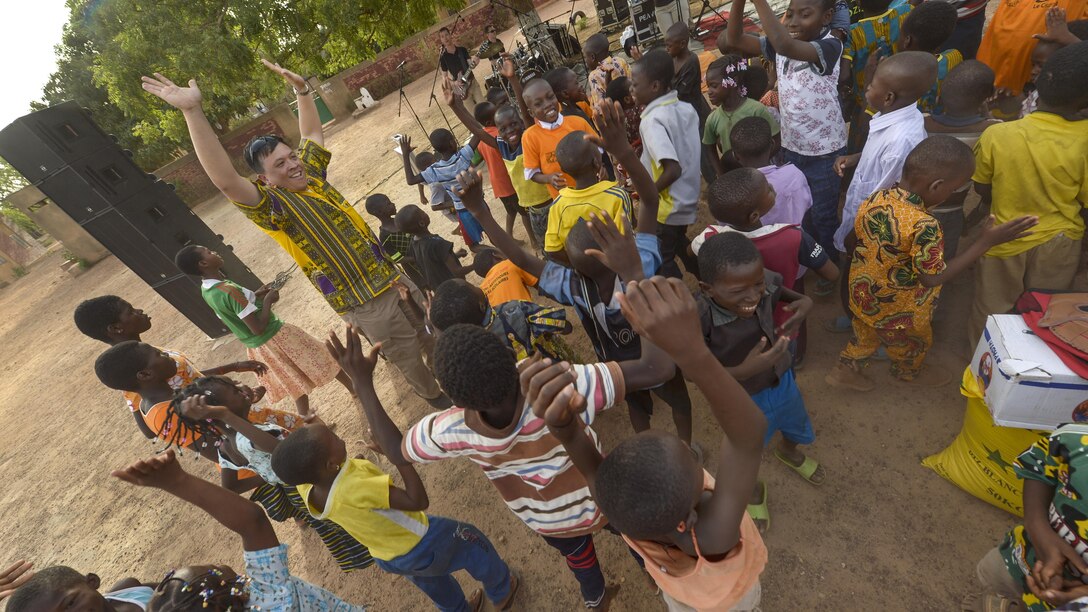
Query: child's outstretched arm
(674, 327)
(613, 139)
(780, 38)
(992, 235)
(458, 106)
(733, 39)
(234, 512)
(549, 388)
(472, 196)
(360, 368)
(213, 157)
(406, 149)
(511, 75)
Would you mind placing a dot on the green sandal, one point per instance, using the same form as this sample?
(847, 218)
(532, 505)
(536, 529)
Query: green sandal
(759, 512)
(807, 468)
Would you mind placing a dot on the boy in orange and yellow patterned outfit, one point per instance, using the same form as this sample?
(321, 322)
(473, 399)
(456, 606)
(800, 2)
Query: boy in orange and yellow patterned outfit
(898, 263)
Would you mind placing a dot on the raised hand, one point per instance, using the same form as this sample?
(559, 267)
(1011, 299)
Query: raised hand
(471, 191)
(197, 408)
(181, 98)
(293, 79)
(14, 577)
(613, 129)
(448, 96)
(549, 388)
(618, 251)
(350, 355)
(1008, 231)
(406, 147)
(662, 310)
(161, 471)
(507, 68)
(1057, 29)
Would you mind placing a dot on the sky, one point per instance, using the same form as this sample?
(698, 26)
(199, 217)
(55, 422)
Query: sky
(29, 29)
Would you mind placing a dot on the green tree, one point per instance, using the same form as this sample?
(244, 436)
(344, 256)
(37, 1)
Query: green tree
(10, 182)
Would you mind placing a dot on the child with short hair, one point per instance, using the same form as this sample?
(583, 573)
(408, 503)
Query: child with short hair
(534, 198)
(898, 265)
(753, 146)
(502, 280)
(807, 65)
(925, 29)
(110, 319)
(1036, 166)
(727, 87)
(694, 534)
(440, 199)
(896, 128)
(619, 90)
(450, 161)
(356, 494)
(395, 243)
(501, 186)
(1058, 34)
(572, 98)
(525, 328)
(541, 139)
(580, 159)
(687, 80)
(57, 587)
(737, 303)
(224, 409)
(434, 254)
(297, 362)
(595, 275)
(670, 153)
(962, 111)
(267, 583)
(495, 427)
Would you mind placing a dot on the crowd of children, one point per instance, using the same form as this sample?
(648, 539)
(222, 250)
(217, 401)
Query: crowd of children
(857, 168)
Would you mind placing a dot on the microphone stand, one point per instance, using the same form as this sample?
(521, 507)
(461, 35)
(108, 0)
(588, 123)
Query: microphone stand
(403, 99)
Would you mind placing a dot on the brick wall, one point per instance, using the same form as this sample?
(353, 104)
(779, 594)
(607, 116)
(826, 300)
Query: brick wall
(380, 75)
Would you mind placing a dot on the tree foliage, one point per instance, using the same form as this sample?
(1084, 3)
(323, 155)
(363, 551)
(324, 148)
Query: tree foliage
(109, 44)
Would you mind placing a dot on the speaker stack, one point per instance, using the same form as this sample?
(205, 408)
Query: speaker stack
(136, 216)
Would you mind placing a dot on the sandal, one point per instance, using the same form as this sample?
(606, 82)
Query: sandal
(807, 468)
(476, 600)
(760, 514)
(508, 603)
(988, 602)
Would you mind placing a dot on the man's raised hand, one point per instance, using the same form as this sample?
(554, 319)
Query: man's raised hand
(181, 98)
(293, 79)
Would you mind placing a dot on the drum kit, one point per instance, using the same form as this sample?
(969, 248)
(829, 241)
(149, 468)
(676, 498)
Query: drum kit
(545, 46)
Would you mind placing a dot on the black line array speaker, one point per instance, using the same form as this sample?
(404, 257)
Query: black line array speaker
(133, 214)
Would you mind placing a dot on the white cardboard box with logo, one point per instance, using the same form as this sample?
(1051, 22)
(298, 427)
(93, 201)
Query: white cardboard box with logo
(1025, 383)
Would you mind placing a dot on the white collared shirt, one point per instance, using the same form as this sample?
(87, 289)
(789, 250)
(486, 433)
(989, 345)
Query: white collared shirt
(531, 172)
(892, 136)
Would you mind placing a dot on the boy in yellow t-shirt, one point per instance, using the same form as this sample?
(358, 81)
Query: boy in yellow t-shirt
(358, 496)
(581, 159)
(1036, 166)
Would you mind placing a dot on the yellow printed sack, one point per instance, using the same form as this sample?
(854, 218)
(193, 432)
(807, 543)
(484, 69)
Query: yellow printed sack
(979, 460)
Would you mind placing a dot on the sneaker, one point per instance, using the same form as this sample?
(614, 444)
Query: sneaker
(846, 377)
(839, 325)
(929, 376)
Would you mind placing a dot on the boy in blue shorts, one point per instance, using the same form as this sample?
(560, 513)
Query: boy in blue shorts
(449, 162)
(736, 308)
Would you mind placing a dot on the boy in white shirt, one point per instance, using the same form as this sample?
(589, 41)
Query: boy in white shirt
(671, 152)
(894, 130)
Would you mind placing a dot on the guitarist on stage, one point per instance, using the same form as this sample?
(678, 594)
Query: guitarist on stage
(457, 65)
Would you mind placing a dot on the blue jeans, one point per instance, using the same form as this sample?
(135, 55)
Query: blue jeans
(447, 547)
(825, 185)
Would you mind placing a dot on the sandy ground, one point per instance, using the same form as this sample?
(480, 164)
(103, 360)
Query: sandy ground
(882, 533)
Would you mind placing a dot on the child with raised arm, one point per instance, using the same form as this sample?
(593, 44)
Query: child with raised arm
(493, 426)
(425, 549)
(898, 266)
(753, 145)
(432, 253)
(806, 58)
(112, 320)
(595, 275)
(699, 544)
(671, 154)
(533, 197)
(1035, 166)
(895, 129)
(450, 160)
(297, 362)
(501, 184)
(266, 584)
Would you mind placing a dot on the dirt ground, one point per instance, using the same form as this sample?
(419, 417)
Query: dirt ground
(881, 533)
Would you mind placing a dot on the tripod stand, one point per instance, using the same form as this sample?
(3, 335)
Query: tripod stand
(403, 99)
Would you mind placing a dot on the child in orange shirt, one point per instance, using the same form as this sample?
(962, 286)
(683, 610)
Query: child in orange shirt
(541, 139)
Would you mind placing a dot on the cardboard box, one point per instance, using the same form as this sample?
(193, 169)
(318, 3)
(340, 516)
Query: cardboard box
(1025, 383)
